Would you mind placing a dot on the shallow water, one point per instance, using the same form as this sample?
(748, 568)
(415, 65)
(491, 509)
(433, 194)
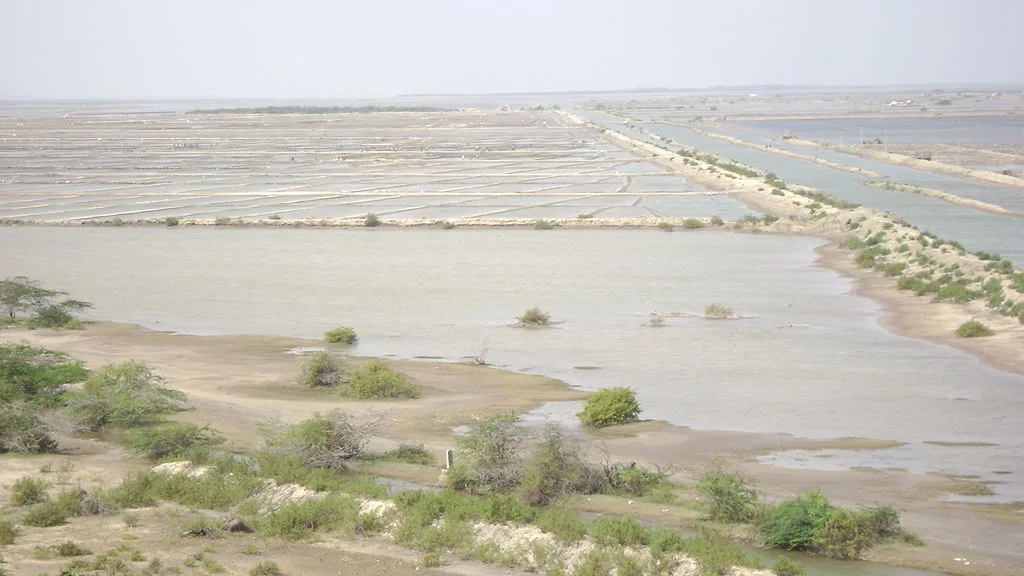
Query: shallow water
(983, 131)
(810, 360)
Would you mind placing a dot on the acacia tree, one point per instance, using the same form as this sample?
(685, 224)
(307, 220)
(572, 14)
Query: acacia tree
(20, 295)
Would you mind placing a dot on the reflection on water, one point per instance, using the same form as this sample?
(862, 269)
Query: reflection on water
(454, 293)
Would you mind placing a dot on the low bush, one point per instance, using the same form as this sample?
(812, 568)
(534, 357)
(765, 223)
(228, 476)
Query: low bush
(69, 549)
(973, 329)
(487, 459)
(557, 468)
(213, 490)
(543, 225)
(8, 533)
(23, 429)
(666, 226)
(329, 440)
(632, 479)
(956, 293)
(28, 490)
(320, 370)
(535, 317)
(562, 523)
(126, 394)
(727, 496)
(36, 375)
(174, 440)
(411, 453)
(610, 407)
(784, 566)
(718, 311)
(813, 524)
(692, 224)
(717, 221)
(341, 335)
(376, 379)
(266, 569)
(371, 220)
(298, 521)
(171, 221)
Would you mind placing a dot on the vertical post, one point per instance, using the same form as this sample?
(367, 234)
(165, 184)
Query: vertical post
(449, 459)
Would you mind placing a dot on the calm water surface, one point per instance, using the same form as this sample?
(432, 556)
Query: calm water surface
(811, 359)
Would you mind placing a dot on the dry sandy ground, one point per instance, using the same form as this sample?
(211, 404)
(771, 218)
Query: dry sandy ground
(237, 383)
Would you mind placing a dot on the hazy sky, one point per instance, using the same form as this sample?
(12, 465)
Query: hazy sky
(378, 48)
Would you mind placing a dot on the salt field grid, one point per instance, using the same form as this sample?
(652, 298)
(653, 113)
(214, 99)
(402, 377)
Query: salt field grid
(408, 165)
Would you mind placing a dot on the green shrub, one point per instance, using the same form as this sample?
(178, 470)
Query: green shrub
(328, 440)
(610, 407)
(666, 226)
(557, 468)
(36, 375)
(543, 225)
(487, 459)
(341, 335)
(411, 453)
(692, 224)
(222, 221)
(371, 220)
(320, 370)
(8, 533)
(126, 394)
(956, 293)
(619, 532)
(174, 440)
(777, 192)
(727, 496)
(632, 479)
(447, 225)
(28, 490)
(69, 549)
(562, 523)
(298, 521)
(784, 566)
(23, 430)
(45, 515)
(716, 555)
(793, 524)
(171, 221)
(213, 491)
(594, 562)
(503, 508)
(535, 317)
(973, 329)
(266, 569)
(375, 380)
(718, 311)
(717, 221)
(844, 535)
(891, 269)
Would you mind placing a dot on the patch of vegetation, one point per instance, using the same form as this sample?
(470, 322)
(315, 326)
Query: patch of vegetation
(411, 453)
(632, 479)
(610, 407)
(321, 370)
(727, 496)
(28, 490)
(23, 430)
(956, 293)
(487, 459)
(69, 549)
(692, 224)
(371, 220)
(785, 566)
(36, 375)
(853, 244)
(666, 226)
(825, 199)
(812, 523)
(718, 311)
(175, 439)
(222, 221)
(266, 569)
(448, 225)
(717, 221)
(557, 468)
(51, 308)
(126, 394)
(543, 225)
(171, 221)
(8, 533)
(326, 440)
(341, 335)
(299, 521)
(535, 318)
(376, 379)
(973, 329)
